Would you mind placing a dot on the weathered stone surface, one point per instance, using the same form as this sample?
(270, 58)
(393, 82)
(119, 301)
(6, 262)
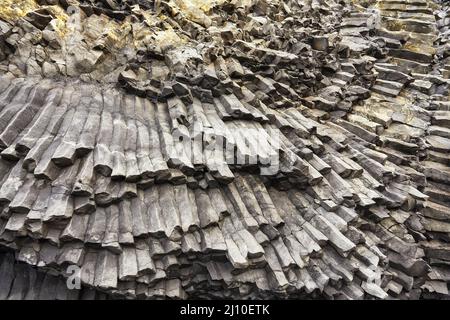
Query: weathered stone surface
(260, 149)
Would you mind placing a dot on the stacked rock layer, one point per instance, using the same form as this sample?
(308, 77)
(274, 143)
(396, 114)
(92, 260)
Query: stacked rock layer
(233, 149)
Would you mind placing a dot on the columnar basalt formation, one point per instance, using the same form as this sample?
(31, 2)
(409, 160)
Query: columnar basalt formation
(225, 149)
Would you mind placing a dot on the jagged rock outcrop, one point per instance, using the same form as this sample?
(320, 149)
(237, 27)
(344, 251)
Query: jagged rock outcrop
(225, 149)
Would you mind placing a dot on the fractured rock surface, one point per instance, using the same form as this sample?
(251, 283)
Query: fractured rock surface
(331, 181)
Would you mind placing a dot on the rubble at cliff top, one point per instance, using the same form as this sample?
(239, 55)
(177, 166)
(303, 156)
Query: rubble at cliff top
(233, 149)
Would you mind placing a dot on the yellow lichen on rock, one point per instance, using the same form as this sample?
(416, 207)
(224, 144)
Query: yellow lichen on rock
(61, 18)
(11, 10)
(115, 34)
(195, 10)
(204, 5)
(419, 47)
(168, 38)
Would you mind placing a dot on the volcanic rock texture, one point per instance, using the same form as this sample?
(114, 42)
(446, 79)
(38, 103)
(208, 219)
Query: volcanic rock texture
(334, 183)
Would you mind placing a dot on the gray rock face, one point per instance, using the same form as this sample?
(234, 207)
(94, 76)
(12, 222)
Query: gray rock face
(266, 149)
